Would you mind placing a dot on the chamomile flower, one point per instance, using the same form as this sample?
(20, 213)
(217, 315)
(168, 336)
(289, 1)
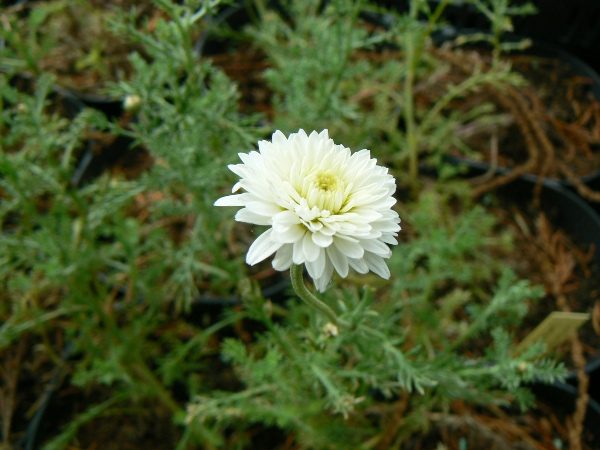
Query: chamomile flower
(326, 207)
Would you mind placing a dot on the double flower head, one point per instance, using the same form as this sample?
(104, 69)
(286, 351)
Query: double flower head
(326, 207)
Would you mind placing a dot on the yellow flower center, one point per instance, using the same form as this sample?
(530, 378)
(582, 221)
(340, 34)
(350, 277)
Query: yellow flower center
(325, 190)
(326, 181)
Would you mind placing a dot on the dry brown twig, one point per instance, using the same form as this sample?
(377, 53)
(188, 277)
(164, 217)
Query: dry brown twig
(485, 433)
(9, 376)
(582, 188)
(395, 421)
(535, 124)
(559, 281)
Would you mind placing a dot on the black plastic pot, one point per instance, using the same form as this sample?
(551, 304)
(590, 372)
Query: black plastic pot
(111, 107)
(90, 161)
(562, 398)
(276, 291)
(570, 212)
(464, 19)
(565, 210)
(545, 424)
(582, 223)
(593, 371)
(547, 50)
(571, 24)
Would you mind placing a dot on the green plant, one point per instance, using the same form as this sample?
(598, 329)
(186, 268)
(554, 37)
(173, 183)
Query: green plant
(412, 340)
(104, 275)
(82, 269)
(365, 81)
(500, 14)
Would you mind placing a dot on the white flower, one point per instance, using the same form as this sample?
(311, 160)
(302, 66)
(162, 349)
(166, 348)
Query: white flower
(327, 208)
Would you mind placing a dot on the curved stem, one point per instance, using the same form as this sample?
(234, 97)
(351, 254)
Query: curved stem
(308, 297)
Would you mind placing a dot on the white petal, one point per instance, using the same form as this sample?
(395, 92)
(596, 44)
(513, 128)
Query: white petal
(339, 261)
(321, 239)
(297, 252)
(249, 159)
(317, 267)
(311, 250)
(329, 229)
(386, 226)
(283, 258)
(263, 208)
(376, 247)
(262, 248)
(278, 138)
(289, 235)
(359, 265)
(232, 200)
(367, 214)
(286, 218)
(322, 282)
(377, 265)
(389, 238)
(348, 248)
(247, 216)
(240, 170)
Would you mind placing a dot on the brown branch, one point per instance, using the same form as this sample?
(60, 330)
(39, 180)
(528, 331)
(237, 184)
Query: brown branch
(583, 190)
(10, 371)
(578, 417)
(390, 431)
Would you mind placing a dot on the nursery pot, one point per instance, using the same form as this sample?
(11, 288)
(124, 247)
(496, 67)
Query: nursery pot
(567, 212)
(570, 66)
(274, 289)
(562, 398)
(572, 25)
(572, 214)
(593, 372)
(545, 425)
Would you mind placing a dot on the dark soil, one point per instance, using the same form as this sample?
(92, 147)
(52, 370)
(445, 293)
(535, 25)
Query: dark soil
(246, 67)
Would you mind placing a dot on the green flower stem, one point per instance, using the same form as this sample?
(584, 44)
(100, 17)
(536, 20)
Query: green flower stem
(412, 139)
(303, 292)
(414, 41)
(409, 114)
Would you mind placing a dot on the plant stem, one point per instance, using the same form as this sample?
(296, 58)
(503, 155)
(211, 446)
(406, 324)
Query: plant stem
(413, 48)
(302, 291)
(141, 370)
(437, 13)
(409, 115)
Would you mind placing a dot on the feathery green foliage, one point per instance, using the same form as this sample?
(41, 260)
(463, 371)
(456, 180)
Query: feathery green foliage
(106, 275)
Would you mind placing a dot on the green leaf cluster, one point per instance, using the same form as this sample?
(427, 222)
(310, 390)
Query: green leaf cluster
(105, 275)
(441, 331)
